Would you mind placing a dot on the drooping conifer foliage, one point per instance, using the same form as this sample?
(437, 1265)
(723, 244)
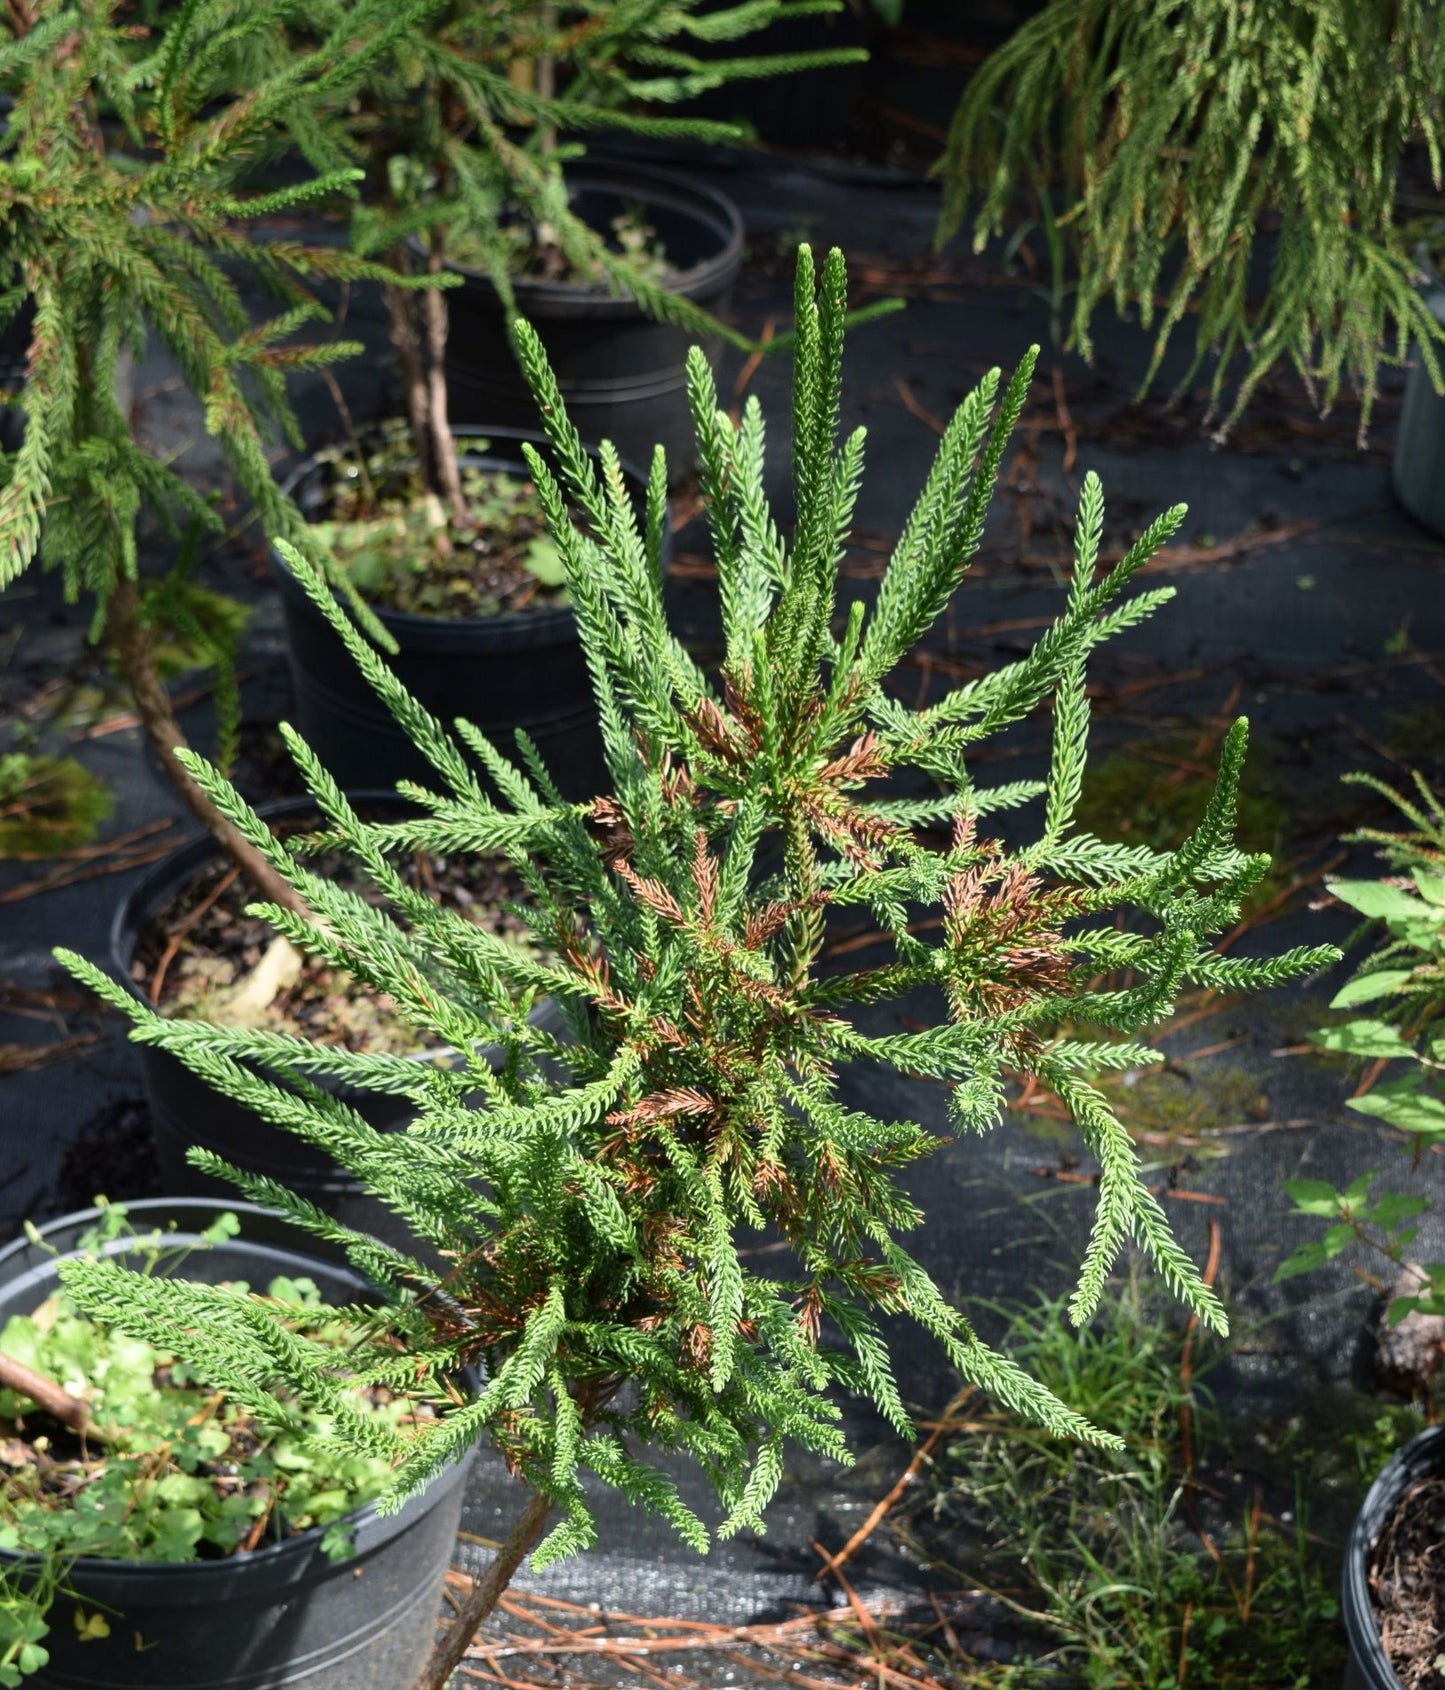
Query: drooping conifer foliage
(596, 1196)
(1163, 145)
(470, 124)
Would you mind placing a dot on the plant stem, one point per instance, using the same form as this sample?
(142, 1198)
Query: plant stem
(353, 439)
(444, 447)
(413, 380)
(446, 1657)
(45, 1394)
(547, 73)
(135, 648)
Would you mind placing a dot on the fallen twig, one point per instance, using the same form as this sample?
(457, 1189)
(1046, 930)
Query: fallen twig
(24, 1059)
(755, 358)
(1065, 421)
(51, 1398)
(63, 877)
(906, 1478)
(915, 407)
(173, 944)
(124, 720)
(1066, 1176)
(820, 1637)
(1267, 909)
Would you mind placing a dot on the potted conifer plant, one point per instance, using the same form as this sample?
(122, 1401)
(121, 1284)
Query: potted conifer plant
(102, 248)
(472, 158)
(1158, 149)
(157, 1534)
(594, 1196)
(105, 248)
(466, 132)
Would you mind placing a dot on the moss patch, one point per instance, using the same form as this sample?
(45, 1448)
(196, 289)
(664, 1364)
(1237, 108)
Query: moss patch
(1154, 791)
(200, 625)
(1188, 1105)
(48, 804)
(1176, 1106)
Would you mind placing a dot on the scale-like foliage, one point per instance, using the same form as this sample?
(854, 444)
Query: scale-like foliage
(599, 1197)
(1176, 134)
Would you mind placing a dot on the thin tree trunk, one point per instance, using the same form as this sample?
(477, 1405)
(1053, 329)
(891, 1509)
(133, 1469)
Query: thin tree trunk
(547, 74)
(434, 314)
(446, 1657)
(136, 650)
(413, 379)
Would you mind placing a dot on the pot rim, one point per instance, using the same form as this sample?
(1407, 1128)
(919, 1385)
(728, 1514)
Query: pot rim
(127, 921)
(600, 173)
(1424, 1452)
(300, 1545)
(403, 622)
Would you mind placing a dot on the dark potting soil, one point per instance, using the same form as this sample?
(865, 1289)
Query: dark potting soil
(202, 944)
(263, 767)
(404, 552)
(1407, 1584)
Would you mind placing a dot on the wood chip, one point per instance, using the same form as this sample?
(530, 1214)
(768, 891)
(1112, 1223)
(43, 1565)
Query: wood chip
(279, 968)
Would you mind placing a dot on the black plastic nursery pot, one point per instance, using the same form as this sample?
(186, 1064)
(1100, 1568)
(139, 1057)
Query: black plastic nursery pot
(1418, 471)
(1422, 1457)
(185, 1111)
(622, 375)
(282, 1615)
(522, 670)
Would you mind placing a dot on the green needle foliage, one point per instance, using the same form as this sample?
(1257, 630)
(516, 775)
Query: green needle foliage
(465, 127)
(466, 131)
(1179, 132)
(115, 232)
(596, 1198)
(111, 233)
